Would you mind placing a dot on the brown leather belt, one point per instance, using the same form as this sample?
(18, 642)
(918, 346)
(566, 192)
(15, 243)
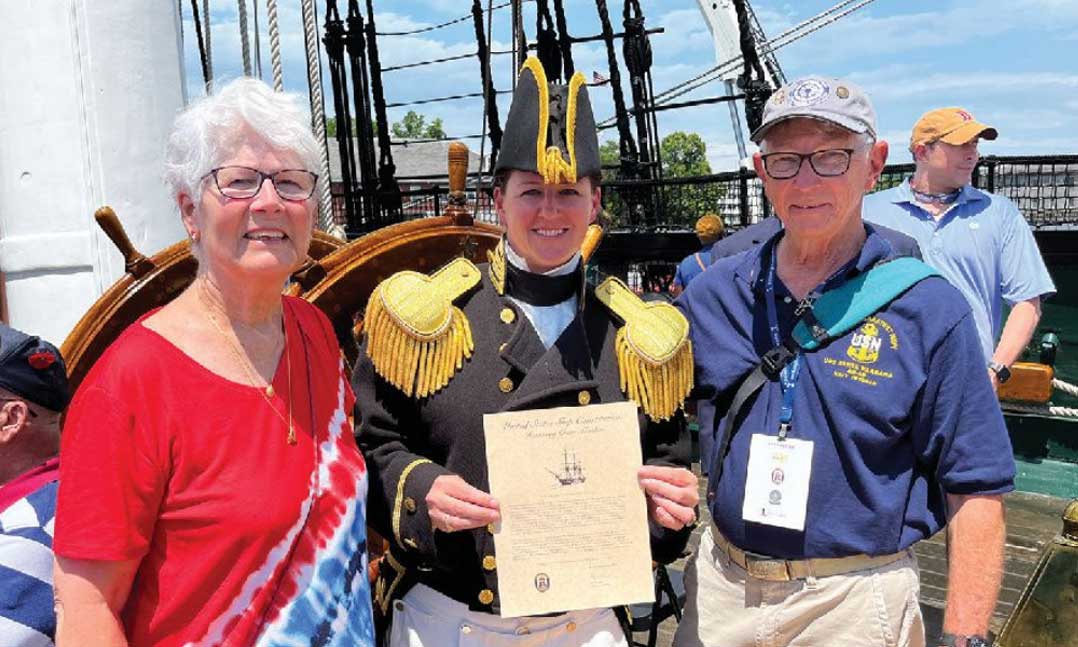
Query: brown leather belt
(773, 569)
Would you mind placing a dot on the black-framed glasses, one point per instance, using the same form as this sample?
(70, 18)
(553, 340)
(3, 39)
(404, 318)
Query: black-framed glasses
(826, 163)
(242, 182)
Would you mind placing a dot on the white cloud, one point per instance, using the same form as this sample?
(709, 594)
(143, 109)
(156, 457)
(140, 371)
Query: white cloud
(943, 86)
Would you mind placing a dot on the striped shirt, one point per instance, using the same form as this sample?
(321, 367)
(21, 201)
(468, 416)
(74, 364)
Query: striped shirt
(26, 601)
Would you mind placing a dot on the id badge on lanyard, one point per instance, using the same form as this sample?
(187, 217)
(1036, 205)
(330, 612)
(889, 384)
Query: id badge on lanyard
(780, 468)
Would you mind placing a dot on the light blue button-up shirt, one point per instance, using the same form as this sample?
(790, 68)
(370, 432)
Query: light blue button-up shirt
(982, 245)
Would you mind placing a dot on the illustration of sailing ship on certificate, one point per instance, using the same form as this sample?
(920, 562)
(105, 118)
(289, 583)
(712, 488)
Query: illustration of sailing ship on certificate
(572, 470)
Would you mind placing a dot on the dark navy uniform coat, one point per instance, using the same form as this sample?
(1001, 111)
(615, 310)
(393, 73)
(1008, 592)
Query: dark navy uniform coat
(509, 370)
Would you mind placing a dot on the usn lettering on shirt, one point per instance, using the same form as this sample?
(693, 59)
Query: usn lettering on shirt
(863, 351)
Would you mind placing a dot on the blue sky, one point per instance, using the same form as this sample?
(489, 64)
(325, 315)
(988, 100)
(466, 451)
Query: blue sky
(1012, 63)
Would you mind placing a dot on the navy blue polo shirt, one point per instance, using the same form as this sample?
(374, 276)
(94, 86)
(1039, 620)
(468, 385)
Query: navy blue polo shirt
(899, 409)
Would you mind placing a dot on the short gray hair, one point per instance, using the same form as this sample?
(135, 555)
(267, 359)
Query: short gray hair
(215, 126)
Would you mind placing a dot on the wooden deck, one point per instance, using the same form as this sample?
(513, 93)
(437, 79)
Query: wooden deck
(1032, 521)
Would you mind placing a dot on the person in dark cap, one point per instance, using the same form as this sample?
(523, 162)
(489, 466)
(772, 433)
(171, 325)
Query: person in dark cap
(537, 336)
(33, 394)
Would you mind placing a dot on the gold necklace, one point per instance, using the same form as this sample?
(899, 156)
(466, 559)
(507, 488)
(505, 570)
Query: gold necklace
(252, 375)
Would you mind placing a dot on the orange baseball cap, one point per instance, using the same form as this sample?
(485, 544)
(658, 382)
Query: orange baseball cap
(709, 228)
(949, 125)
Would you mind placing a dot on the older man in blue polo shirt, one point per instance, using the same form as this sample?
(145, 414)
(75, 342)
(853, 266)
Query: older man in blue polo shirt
(856, 450)
(977, 240)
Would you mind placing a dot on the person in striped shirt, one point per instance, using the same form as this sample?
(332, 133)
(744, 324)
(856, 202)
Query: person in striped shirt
(33, 392)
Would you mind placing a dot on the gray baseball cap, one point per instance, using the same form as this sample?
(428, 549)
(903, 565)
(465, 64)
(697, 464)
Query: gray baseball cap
(836, 101)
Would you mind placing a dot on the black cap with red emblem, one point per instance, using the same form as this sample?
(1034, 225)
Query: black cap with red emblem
(32, 368)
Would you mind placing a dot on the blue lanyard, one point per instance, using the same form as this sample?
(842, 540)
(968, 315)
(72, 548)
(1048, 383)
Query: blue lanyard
(789, 374)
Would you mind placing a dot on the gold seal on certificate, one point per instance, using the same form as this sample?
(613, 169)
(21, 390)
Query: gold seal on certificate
(574, 529)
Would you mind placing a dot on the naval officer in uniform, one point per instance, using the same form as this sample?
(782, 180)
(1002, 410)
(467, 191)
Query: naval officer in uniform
(523, 331)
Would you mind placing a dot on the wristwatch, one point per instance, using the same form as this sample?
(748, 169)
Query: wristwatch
(1002, 372)
(962, 640)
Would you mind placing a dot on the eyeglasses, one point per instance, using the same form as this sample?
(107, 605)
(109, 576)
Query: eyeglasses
(242, 182)
(826, 163)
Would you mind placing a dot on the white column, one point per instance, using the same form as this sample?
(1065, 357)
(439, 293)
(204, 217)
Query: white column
(88, 92)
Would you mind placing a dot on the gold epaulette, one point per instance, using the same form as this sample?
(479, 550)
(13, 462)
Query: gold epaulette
(496, 259)
(416, 338)
(654, 351)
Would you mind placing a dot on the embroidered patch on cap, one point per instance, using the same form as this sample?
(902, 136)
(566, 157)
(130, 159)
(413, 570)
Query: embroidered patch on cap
(778, 98)
(841, 92)
(808, 92)
(964, 115)
(41, 359)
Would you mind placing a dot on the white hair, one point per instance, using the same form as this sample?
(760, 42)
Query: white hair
(864, 139)
(214, 127)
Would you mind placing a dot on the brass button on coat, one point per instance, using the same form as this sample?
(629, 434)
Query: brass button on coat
(501, 349)
(490, 528)
(505, 384)
(489, 563)
(523, 631)
(584, 398)
(571, 626)
(508, 316)
(409, 504)
(486, 596)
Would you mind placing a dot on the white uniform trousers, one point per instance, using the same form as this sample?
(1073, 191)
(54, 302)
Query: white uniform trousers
(426, 618)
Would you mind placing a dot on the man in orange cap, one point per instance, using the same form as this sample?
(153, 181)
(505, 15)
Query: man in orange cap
(977, 240)
(709, 229)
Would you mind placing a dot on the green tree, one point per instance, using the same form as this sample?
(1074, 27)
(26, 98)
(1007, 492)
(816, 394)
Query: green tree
(414, 126)
(685, 155)
(331, 127)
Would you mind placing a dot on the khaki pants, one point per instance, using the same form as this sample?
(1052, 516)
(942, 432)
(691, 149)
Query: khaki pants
(726, 607)
(426, 618)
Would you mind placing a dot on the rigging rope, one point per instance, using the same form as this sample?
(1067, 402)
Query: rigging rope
(258, 43)
(565, 41)
(423, 30)
(486, 101)
(483, 37)
(275, 44)
(318, 111)
(626, 146)
(245, 44)
(209, 48)
(201, 45)
(787, 37)
(546, 41)
(458, 57)
(452, 97)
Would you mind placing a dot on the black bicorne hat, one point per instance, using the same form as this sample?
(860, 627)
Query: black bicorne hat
(550, 129)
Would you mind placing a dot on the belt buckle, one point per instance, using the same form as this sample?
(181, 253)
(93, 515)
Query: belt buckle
(766, 568)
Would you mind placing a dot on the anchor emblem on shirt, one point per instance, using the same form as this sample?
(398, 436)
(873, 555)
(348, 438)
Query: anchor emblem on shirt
(865, 344)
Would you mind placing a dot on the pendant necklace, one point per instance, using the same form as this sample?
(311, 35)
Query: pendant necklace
(252, 376)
